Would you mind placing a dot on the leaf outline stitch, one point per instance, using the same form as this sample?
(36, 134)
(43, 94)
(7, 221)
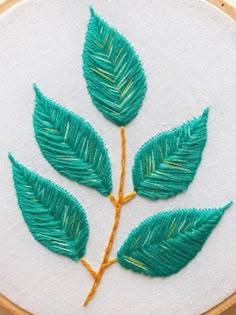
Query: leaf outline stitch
(71, 145)
(51, 213)
(165, 243)
(114, 74)
(166, 164)
(119, 118)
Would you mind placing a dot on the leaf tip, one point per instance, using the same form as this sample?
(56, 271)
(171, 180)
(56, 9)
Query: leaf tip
(37, 91)
(92, 12)
(15, 164)
(11, 158)
(206, 112)
(228, 205)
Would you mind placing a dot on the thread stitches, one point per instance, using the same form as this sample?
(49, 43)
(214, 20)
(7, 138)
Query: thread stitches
(164, 243)
(166, 164)
(115, 78)
(118, 203)
(54, 217)
(163, 167)
(71, 145)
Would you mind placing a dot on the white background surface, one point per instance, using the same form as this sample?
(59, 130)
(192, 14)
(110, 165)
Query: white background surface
(188, 49)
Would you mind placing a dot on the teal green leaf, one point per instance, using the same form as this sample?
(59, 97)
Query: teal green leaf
(166, 164)
(166, 242)
(115, 77)
(54, 217)
(71, 145)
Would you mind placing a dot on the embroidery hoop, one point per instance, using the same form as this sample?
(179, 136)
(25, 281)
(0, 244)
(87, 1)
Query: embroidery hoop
(219, 308)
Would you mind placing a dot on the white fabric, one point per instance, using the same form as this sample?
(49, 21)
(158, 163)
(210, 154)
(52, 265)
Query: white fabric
(188, 49)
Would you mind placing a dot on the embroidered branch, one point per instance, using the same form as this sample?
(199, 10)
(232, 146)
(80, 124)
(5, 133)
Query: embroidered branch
(163, 167)
(118, 203)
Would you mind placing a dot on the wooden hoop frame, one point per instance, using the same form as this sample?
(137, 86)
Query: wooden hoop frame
(216, 310)
(225, 7)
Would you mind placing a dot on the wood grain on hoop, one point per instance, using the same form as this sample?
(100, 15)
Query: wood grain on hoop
(223, 306)
(216, 310)
(7, 5)
(12, 307)
(225, 7)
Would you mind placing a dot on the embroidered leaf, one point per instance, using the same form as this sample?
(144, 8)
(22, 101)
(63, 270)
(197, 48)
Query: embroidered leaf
(54, 217)
(166, 242)
(114, 74)
(71, 145)
(166, 164)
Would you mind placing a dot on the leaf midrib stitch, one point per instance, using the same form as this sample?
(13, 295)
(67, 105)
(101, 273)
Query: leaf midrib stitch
(114, 75)
(162, 162)
(193, 230)
(116, 83)
(41, 202)
(71, 147)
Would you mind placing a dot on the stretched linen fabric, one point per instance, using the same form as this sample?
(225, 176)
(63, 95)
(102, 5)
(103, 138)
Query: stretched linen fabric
(187, 50)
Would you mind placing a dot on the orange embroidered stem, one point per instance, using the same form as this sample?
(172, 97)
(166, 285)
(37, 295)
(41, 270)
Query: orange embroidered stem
(118, 203)
(129, 197)
(88, 267)
(113, 199)
(111, 262)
